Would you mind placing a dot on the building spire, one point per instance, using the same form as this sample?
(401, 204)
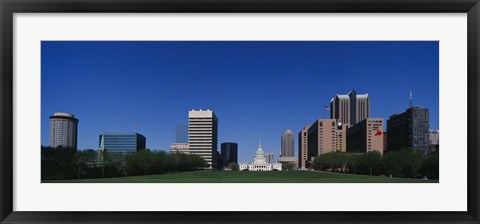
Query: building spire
(259, 143)
(410, 103)
(102, 142)
(101, 153)
(137, 126)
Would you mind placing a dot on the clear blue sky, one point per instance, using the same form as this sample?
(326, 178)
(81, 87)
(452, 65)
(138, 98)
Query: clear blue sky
(257, 89)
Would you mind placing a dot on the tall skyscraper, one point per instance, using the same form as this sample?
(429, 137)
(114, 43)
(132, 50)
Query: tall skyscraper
(409, 129)
(288, 143)
(287, 147)
(366, 136)
(121, 143)
(229, 153)
(351, 108)
(270, 157)
(303, 148)
(326, 135)
(181, 134)
(340, 109)
(203, 136)
(63, 130)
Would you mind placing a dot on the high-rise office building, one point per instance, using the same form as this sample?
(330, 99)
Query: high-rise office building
(181, 134)
(287, 143)
(326, 135)
(434, 137)
(63, 130)
(270, 157)
(287, 148)
(229, 153)
(203, 136)
(366, 136)
(409, 129)
(340, 109)
(303, 148)
(385, 142)
(121, 142)
(351, 108)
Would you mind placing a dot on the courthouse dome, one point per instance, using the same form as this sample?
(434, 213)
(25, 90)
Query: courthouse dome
(259, 151)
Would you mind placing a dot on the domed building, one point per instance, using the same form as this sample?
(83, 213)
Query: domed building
(260, 162)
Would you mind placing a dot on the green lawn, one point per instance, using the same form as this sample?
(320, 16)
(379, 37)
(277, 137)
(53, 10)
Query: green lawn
(248, 177)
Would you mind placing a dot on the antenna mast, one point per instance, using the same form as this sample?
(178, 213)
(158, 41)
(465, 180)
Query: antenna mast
(411, 97)
(136, 127)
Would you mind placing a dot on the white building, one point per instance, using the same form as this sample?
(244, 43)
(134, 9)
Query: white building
(179, 148)
(260, 162)
(203, 135)
(433, 137)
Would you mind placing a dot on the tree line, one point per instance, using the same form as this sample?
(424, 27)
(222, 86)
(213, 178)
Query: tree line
(407, 163)
(69, 163)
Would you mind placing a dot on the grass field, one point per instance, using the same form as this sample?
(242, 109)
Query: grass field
(248, 177)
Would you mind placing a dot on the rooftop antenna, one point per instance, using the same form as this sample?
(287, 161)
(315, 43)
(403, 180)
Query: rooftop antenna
(137, 126)
(411, 97)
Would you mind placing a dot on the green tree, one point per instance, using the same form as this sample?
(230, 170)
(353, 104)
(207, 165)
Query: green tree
(112, 165)
(288, 166)
(404, 163)
(353, 162)
(64, 163)
(145, 160)
(84, 162)
(332, 161)
(198, 162)
(316, 164)
(392, 162)
(103, 161)
(56, 163)
(430, 167)
(233, 166)
(161, 162)
(373, 160)
(416, 160)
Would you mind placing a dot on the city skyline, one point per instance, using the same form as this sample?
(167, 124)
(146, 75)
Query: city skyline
(116, 90)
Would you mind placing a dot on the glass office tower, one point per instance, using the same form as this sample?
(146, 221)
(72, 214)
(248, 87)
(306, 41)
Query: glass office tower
(122, 143)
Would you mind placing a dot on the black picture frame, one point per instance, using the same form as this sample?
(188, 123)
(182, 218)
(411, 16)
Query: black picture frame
(9, 7)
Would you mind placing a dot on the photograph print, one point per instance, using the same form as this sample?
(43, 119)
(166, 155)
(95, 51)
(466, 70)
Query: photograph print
(240, 112)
